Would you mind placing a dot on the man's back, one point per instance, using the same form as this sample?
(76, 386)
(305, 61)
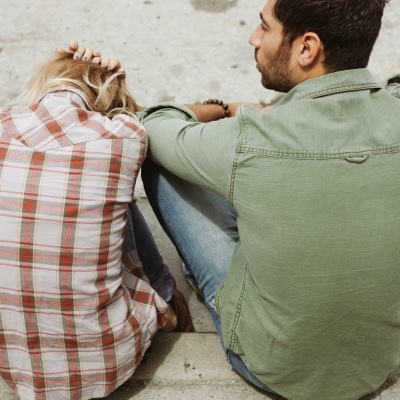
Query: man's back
(312, 296)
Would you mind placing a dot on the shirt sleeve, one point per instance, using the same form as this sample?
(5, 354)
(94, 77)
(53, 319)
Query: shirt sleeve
(201, 153)
(63, 118)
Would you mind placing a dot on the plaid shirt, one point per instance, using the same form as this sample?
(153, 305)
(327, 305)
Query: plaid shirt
(74, 324)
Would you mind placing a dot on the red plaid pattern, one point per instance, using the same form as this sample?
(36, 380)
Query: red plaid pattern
(73, 323)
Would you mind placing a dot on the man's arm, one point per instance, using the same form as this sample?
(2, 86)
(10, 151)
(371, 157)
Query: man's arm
(214, 112)
(202, 153)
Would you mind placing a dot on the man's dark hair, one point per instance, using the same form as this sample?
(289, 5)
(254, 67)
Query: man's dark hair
(347, 28)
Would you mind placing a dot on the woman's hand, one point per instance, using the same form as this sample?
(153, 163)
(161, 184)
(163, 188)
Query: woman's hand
(87, 54)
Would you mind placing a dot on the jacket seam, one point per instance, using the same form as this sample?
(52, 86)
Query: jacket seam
(235, 165)
(235, 162)
(304, 155)
(349, 88)
(232, 342)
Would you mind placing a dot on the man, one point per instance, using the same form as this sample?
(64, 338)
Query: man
(288, 220)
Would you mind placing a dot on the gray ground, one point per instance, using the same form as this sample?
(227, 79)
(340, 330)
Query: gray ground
(185, 51)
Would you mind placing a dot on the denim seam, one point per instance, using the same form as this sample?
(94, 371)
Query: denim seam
(232, 343)
(216, 298)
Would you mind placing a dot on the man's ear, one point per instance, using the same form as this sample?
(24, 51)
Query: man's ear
(310, 50)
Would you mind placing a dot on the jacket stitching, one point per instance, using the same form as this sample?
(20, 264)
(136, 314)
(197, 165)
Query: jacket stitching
(303, 155)
(232, 343)
(350, 88)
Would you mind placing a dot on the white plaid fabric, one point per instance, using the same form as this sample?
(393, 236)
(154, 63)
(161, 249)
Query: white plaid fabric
(69, 327)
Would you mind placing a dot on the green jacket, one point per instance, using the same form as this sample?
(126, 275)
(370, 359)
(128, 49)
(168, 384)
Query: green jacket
(311, 301)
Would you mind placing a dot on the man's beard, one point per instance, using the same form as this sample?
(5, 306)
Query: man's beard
(276, 74)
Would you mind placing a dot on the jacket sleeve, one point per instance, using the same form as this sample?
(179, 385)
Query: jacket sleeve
(201, 153)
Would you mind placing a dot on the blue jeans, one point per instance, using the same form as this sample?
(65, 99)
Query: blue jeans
(139, 237)
(203, 228)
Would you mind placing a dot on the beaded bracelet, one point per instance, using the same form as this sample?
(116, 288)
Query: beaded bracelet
(219, 103)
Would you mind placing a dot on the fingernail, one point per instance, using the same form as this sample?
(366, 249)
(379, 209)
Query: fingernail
(103, 64)
(76, 57)
(109, 67)
(85, 58)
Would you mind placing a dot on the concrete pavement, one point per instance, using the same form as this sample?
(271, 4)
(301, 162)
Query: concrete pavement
(186, 51)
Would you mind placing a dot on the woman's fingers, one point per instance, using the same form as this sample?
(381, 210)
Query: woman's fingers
(72, 46)
(80, 52)
(87, 54)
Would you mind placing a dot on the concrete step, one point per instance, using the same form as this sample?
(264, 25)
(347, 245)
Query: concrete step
(193, 366)
(183, 366)
(180, 366)
(186, 366)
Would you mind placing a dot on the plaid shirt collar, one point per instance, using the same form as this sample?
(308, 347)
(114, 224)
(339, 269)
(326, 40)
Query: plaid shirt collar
(81, 98)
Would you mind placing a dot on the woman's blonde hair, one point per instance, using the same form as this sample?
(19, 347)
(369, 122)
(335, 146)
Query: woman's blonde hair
(105, 90)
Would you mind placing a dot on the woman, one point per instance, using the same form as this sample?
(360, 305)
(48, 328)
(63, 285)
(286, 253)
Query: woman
(76, 313)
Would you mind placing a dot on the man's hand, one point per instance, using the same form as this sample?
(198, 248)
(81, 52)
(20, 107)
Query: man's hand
(213, 112)
(87, 54)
